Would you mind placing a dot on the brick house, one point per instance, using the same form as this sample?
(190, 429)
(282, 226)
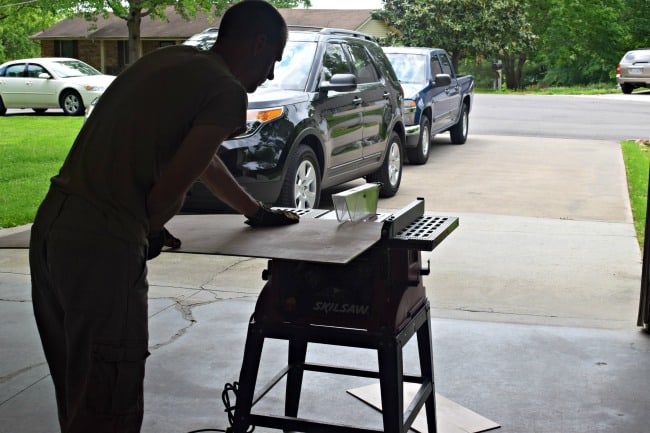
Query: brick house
(103, 43)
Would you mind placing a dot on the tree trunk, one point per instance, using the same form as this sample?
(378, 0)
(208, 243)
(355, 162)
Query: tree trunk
(513, 67)
(134, 42)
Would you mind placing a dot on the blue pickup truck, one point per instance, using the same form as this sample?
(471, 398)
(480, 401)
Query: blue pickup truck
(436, 99)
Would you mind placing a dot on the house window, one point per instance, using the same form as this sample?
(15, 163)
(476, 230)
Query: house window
(65, 49)
(122, 54)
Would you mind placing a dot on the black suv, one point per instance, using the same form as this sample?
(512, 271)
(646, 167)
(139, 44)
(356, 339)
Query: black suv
(333, 113)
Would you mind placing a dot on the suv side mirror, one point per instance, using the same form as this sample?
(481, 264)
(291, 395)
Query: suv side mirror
(442, 80)
(339, 83)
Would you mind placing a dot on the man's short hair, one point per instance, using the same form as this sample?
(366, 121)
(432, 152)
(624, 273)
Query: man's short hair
(249, 18)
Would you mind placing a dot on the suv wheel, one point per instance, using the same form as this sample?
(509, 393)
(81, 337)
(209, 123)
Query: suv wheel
(71, 103)
(420, 154)
(458, 132)
(627, 88)
(389, 174)
(301, 187)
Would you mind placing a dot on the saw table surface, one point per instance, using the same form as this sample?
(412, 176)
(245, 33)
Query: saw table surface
(312, 239)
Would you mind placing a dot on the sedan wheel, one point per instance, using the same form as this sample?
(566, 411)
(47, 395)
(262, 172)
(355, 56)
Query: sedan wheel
(301, 188)
(72, 104)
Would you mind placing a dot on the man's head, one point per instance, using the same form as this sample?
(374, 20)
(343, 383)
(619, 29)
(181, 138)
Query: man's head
(251, 38)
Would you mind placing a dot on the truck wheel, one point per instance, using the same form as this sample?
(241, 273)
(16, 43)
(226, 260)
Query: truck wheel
(71, 103)
(389, 174)
(458, 132)
(420, 154)
(301, 187)
(627, 88)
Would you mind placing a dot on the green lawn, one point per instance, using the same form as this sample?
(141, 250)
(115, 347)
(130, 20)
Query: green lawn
(32, 149)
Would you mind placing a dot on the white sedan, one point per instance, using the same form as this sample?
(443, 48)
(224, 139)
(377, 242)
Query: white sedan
(50, 82)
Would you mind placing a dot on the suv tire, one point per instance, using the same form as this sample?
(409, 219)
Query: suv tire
(389, 174)
(301, 187)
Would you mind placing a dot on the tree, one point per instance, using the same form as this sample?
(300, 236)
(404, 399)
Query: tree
(465, 28)
(19, 20)
(133, 11)
(637, 16)
(579, 42)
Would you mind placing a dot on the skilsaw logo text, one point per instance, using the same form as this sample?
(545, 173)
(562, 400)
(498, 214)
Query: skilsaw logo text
(334, 307)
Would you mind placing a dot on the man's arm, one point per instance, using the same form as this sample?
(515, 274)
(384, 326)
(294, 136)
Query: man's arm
(222, 184)
(196, 156)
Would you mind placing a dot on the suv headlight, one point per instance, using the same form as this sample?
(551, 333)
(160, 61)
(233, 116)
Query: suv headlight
(409, 111)
(256, 118)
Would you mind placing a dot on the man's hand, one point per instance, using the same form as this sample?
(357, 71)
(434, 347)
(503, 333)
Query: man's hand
(267, 217)
(159, 240)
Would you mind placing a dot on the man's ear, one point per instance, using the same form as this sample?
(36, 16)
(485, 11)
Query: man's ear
(261, 43)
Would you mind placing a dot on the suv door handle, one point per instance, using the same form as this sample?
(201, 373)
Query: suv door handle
(357, 100)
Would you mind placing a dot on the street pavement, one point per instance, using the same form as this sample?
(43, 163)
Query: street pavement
(534, 301)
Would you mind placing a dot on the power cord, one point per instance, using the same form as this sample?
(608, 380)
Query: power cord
(230, 409)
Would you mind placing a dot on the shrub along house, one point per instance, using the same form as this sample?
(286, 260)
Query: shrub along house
(103, 43)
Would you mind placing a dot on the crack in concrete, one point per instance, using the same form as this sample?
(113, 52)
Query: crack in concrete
(186, 313)
(8, 377)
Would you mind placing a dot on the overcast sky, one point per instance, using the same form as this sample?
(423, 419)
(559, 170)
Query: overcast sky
(346, 4)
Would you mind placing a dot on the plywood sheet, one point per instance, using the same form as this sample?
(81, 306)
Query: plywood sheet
(317, 240)
(452, 417)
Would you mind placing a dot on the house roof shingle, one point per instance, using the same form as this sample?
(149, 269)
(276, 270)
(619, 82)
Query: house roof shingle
(175, 27)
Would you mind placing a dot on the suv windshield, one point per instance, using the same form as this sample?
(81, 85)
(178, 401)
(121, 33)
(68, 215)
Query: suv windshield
(410, 68)
(292, 71)
(73, 68)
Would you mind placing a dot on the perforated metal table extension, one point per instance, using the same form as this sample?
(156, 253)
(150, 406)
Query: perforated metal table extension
(374, 301)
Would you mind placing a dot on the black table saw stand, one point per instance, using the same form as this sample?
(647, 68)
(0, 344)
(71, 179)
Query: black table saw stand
(389, 347)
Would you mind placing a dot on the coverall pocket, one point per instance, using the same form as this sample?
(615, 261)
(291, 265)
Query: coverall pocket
(116, 378)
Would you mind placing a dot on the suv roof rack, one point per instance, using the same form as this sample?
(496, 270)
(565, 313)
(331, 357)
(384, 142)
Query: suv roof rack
(332, 31)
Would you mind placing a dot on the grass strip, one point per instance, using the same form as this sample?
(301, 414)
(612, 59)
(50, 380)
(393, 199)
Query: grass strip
(636, 155)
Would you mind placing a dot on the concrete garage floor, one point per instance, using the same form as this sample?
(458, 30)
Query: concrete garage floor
(534, 302)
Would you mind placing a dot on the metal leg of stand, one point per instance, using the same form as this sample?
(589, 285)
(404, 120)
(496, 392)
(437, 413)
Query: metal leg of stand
(297, 355)
(426, 370)
(248, 378)
(391, 384)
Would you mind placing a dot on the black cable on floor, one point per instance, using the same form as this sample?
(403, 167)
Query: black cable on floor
(230, 409)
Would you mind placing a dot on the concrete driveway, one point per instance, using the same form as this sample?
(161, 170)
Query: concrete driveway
(534, 301)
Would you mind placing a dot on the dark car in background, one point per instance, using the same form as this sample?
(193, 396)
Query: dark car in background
(332, 114)
(436, 98)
